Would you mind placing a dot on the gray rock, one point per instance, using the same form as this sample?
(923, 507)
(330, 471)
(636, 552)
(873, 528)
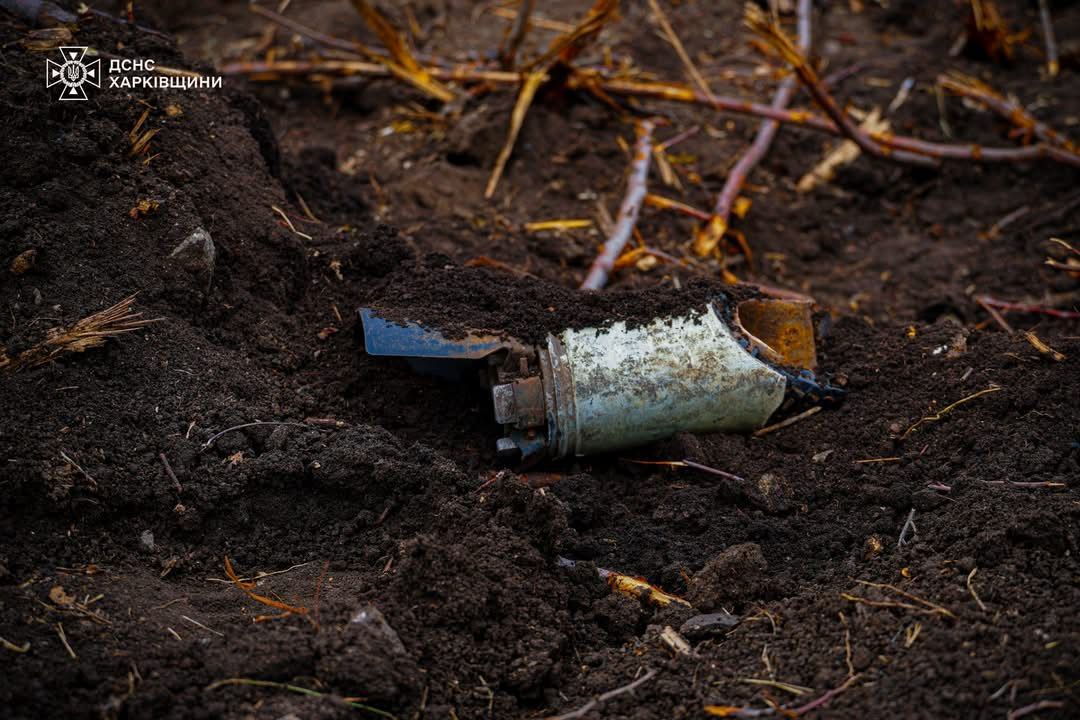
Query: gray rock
(147, 539)
(371, 621)
(701, 627)
(193, 261)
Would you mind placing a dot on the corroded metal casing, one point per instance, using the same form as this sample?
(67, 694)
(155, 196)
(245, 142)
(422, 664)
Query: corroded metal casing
(616, 387)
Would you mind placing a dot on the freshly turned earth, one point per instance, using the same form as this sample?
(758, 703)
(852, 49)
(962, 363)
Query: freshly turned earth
(379, 503)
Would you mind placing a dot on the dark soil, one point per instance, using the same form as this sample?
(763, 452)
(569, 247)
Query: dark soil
(458, 300)
(368, 491)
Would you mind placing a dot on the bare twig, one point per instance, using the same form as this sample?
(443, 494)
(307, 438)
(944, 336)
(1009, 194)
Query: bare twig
(990, 302)
(998, 317)
(562, 50)
(215, 436)
(1053, 65)
(609, 695)
(758, 21)
(1050, 485)
(775, 709)
(403, 64)
(508, 53)
(789, 421)
(971, 589)
(248, 588)
(899, 147)
(949, 408)
(171, 474)
(709, 237)
(64, 641)
(937, 609)
(909, 527)
(315, 35)
(680, 49)
(537, 21)
(672, 92)
(693, 465)
(300, 691)
(517, 119)
(712, 471)
(568, 46)
(636, 189)
(978, 91)
(1033, 708)
(8, 645)
(1042, 347)
(824, 699)
(69, 461)
(665, 203)
(196, 623)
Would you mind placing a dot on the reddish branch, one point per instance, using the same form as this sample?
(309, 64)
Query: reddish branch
(758, 21)
(710, 236)
(1015, 113)
(990, 302)
(636, 189)
(587, 79)
(886, 145)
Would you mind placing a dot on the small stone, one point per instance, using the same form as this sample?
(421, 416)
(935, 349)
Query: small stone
(372, 621)
(147, 539)
(701, 627)
(191, 264)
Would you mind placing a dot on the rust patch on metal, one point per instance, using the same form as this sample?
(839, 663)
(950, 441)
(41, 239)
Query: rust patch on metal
(781, 329)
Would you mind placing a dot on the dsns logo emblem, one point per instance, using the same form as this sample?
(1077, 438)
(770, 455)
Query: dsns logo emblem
(73, 73)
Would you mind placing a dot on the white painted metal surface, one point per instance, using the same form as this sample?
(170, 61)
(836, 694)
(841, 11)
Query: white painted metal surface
(632, 386)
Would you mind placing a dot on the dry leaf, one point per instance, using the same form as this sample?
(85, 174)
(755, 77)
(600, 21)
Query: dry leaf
(843, 154)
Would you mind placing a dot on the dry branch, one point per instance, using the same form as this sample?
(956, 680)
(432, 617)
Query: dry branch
(709, 237)
(949, 408)
(248, 588)
(517, 119)
(314, 35)
(759, 22)
(1053, 65)
(403, 65)
(568, 46)
(609, 695)
(508, 53)
(636, 189)
(680, 49)
(563, 49)
(88, 333)
(991, 302)
(665, 203)
(895, 146)
(974, 89)
(347, 702)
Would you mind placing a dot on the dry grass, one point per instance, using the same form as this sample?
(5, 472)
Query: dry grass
(88, 333)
